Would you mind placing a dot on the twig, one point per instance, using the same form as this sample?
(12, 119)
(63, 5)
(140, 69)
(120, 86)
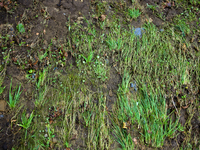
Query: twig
(175, 106)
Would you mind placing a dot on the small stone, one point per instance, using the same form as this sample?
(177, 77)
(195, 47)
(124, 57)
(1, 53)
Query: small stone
(45, 44)
(131, 85)
(1, 116)
(55, 68)
(105, 86)
(135, 141)
(33, 45)
(161, 30)
(135, 86)
(107, 61)
(33, 75)
(110, 93)
(3, 105)
(54, 140)
(139, 31)
(11, 29)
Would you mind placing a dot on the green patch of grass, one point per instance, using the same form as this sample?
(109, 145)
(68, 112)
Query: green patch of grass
(14, 96)
(134, 13)
(1, 82)
(152, 116)
(152, 7)
(20, 28)
(149, 111)
(183, 27)
(88, 59)
(100, 69)
(26, 121)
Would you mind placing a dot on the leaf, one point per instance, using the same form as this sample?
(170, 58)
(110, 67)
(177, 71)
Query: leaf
(124, 125)
(1, 89)
(20, 28)
(90, 57)
(135, 141)
(103, 17)
(84, 58)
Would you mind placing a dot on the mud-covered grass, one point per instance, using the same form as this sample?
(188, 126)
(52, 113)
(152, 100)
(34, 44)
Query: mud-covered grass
(102, 85)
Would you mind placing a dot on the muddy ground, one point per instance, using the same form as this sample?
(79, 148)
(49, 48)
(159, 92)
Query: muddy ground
(45, 20)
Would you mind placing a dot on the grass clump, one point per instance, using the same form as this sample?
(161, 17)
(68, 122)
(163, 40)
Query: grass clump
(149, 111)
(1, 82)
(151, 116)
(100, 69)
(14, 96)
(26, 122)
(134, 13)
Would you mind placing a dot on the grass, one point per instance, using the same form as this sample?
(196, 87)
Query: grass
(26, 122)
(72, 103)
(1, 82)
(14, 96)
(133, 13)
(152, 7)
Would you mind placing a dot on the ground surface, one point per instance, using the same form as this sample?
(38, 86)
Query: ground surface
(47, 22)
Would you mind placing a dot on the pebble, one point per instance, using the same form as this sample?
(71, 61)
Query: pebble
(45, 44)
(55, 68)
(110, 93)
(3, 104)
(161, 30)
(131, 85)
(46, 135)
(54, 140)
(134, 86)
(138, 31)
(1, 116)
(107, 61)
(11, 29)
(33, 75)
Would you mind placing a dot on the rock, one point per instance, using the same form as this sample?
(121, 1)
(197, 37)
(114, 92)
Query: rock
(134, 86)
(46, 135)
(139, 31)
(107, 61)
(54, 140)
(33, 75)
(105, 86)
(1, 116)
(131, 85)
(3, 104)
(45, 46)
(110, 93)
(161, 30)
